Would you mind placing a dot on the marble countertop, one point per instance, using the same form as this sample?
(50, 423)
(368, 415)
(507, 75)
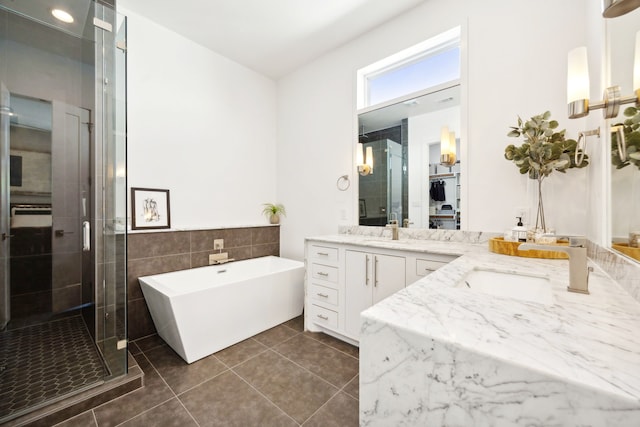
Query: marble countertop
(592, 341)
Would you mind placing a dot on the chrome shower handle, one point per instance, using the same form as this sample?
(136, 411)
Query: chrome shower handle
(86, 236)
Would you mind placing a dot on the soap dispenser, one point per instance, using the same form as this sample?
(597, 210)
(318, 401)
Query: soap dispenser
(519, 232)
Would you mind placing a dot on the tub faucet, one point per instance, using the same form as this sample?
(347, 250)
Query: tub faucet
(393, 224)
(577, 251)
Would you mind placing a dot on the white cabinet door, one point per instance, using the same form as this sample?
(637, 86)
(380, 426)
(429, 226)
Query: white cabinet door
(369, 278)
(388, 276)
(358, 289)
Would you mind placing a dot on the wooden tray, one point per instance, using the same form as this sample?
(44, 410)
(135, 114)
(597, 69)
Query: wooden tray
(500, 246)
(628, 251)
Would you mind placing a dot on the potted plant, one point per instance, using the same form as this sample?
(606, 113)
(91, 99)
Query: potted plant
(544, 150)
(273, 212)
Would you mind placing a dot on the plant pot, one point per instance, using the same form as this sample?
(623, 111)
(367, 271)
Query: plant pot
(274, 219)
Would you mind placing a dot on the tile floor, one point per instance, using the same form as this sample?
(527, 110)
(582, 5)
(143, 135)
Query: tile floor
(281, 377)
(43, 362)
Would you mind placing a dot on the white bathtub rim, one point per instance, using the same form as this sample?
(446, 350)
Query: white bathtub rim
(155, 280)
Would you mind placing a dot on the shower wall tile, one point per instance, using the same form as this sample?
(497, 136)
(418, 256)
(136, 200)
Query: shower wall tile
(236, 237)
(261, 235)
(147, 245)
(66, 298)
(30, 304)
(148, 266)
(67, 269)
(140, 323)
(265, 250)
(163, 252)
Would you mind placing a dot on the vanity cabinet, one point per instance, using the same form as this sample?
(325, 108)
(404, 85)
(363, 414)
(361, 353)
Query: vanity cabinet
(369, 278)
(324, 293)
(342, 280)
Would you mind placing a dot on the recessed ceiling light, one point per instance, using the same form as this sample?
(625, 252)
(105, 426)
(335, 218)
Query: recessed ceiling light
(62, 15)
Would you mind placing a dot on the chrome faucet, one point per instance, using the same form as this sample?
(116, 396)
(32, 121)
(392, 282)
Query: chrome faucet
(393, 224)
(577, 251)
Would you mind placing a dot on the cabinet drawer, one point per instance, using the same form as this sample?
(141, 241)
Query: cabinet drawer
(324, 272)
(321, 293)
(323, 316)
(424, 266)
(323, 253)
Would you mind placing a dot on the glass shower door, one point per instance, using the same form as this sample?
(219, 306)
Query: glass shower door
(5, 111)
(63, 182)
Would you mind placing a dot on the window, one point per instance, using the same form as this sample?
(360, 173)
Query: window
(427, 64)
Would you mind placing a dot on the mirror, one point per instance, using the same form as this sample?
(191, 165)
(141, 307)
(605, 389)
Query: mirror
(408, 183)
(625, 181)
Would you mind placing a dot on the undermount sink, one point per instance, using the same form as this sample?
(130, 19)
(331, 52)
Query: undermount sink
(524, 287)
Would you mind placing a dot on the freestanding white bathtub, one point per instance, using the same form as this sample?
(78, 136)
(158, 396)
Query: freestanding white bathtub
(203, 310)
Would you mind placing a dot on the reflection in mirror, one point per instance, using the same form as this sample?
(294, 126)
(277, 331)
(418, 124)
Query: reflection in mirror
(405, 140)
(625, 173)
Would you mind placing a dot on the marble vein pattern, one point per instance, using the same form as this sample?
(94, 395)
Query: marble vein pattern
(438, 354)
(419, 234)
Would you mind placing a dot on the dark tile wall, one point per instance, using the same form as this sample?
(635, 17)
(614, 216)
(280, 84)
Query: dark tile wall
(153, 253)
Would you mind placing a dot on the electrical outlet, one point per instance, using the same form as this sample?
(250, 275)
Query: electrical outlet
(218, 244)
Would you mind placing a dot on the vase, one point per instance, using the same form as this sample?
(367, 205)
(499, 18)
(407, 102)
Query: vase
(540, 223)
(274, 219)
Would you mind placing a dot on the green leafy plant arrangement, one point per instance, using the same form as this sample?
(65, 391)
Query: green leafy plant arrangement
(273, 211)
(544, 150)
(632, 140)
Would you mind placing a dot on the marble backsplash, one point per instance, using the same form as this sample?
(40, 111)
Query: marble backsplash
(620, 268)
(458, 236)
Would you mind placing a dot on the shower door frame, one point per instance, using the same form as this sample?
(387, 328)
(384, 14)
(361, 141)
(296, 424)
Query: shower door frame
(5, 273)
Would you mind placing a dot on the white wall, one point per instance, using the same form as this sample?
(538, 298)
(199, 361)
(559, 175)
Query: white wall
(200, 125)
(515, 64)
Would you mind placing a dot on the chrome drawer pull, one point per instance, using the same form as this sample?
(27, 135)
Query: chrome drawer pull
(375, 271)
(323, 254)
(320, 273)
(323, 317)
(323, 295)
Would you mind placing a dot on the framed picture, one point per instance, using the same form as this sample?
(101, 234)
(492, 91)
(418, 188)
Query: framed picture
(150, 209)
(363, 208)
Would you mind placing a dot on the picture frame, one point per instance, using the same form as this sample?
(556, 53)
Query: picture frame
(363, 208)
(150, 209)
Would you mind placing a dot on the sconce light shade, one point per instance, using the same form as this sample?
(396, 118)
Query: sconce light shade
(578, 83)
(452, 144)
(447, 147)
(444, 139)
(615, 8)
(364, 168)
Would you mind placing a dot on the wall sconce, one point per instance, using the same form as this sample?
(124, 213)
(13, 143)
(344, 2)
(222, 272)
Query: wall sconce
(365, 167)
(578, 87)
(447, 147)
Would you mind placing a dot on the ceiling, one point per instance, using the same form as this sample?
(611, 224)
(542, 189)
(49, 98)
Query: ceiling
(272, 37)
(40, 10)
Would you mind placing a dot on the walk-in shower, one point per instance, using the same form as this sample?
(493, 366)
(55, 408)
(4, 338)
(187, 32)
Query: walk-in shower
(62, 201)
